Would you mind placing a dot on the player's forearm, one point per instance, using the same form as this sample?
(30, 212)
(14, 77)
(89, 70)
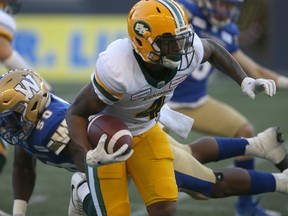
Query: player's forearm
(23, 186)
(280, 80)
(77, 127)
(222, 60)
(23, 183)
(79, 144)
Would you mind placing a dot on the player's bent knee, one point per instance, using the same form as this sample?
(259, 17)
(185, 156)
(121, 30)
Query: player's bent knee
(164, 208)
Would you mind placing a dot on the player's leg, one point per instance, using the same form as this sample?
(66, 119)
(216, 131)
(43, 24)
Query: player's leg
(109, 189)
(237, 181)
(267, 144)
(151, 168)
(203, 183)
(217, 118)
(78, 182)
(103, 191)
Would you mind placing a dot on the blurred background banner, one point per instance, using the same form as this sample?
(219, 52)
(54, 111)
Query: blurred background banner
(65, 47)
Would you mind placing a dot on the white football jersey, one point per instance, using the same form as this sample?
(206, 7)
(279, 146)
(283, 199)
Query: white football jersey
(133, 95)
(7, 25)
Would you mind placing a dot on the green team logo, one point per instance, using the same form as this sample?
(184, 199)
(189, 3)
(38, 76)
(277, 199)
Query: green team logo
(140, 28)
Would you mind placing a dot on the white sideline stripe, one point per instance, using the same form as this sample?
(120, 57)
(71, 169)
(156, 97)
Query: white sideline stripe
(92, 189)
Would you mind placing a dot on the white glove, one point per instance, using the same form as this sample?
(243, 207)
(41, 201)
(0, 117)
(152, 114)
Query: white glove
(99, 156)
(250, 87)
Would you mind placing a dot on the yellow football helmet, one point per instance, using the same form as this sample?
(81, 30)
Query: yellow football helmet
(160, 33)
(23, 97)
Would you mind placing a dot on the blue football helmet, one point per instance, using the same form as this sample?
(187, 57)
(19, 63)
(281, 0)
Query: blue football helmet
(23, 97)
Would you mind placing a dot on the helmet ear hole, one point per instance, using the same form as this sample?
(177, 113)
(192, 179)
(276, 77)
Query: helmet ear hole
(34, 106)
(158, 9)
(139, 42)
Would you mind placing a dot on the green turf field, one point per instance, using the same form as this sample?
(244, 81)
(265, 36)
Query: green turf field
(51, 195)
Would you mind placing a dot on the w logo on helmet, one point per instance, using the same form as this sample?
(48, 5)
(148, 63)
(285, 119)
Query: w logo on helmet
(140, 28)
(28, 86)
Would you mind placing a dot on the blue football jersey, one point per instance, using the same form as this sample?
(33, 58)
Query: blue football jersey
(50, 136)
(194, 88)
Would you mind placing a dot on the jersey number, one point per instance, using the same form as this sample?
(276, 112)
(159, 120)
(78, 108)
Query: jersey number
(153, 110)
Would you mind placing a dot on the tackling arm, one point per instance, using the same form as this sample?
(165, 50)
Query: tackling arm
(24, 177)
(10, 57)
(255, 70)
(221, 59)
(12, 60)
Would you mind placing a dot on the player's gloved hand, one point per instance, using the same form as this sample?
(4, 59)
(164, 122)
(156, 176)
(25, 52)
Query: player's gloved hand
(99, 156)
(282, 83)
(250, 87)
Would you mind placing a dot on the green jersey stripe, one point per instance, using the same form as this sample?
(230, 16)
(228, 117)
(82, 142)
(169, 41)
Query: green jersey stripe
(103, 91)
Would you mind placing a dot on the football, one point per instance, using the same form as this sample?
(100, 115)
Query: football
(116, 130)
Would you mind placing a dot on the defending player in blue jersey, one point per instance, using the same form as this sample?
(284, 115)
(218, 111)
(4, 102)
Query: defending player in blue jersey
(33, 120)
(216, 19)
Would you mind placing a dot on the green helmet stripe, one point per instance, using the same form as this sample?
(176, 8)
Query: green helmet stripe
(174, 10)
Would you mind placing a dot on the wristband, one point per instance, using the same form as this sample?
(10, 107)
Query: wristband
(19, 207)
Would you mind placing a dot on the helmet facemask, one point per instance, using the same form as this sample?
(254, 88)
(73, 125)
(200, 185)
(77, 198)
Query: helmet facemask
(172, 50)
(14, 128)
(23, 98)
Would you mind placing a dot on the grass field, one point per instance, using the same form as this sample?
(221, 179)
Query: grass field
(51, 195)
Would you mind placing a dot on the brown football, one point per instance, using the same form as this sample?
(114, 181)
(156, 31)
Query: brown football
(116, 130)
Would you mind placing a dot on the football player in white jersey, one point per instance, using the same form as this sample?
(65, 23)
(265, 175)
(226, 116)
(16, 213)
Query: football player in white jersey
(216, 19)
(134, 77)
(33, 121)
